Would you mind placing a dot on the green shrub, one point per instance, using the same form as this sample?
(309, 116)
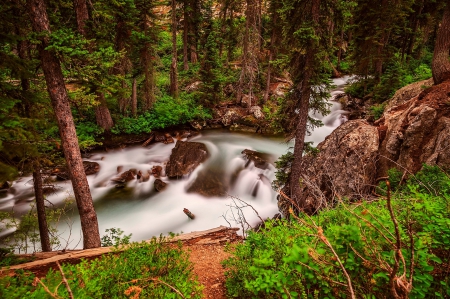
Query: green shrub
(151, 269)
(377, 110)
(166, 112)
(292, 260)
(86, 133)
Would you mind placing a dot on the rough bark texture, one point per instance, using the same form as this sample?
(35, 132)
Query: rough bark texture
(303, 90)
(173, 67)
(81, 11)
(185, 35)
(441, 62)
(102, 114)
(134, 98)
(40, 208)
(60, 103)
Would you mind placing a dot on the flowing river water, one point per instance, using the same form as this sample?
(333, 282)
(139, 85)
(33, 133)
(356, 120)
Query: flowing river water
(139, 210)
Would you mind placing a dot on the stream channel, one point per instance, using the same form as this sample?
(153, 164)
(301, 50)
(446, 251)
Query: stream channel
(143, 212)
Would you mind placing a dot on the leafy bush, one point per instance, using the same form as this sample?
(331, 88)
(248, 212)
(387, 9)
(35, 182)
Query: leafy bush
(86, 133)
(166, 112)
(377, 110)
(143, 270)
(114, 237)
(296, 259)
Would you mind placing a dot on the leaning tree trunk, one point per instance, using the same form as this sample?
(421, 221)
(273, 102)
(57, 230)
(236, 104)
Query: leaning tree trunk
(40, 208)
(60, 102)
(173, 67)
(441, 63)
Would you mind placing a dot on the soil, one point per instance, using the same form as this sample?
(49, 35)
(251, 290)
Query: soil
(207, 266)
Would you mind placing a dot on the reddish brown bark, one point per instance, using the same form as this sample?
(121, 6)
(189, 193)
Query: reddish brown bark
(102, 114)
(134, 98)
(40, 208)
(173, 67)
(304, 89)
(81, 11)
(441, 62)
(185, 35)
(60, 102)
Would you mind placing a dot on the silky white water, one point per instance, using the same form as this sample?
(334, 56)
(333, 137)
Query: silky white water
(144, 213)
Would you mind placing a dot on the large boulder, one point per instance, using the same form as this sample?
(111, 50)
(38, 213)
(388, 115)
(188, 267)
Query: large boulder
(416, 131)
(345, 165)
(185, 157)
(408, 92)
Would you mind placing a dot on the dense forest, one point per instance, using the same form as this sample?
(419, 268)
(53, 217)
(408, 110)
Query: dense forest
(76, 74)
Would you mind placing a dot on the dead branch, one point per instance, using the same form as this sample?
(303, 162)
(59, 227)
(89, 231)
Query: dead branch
(65, 280)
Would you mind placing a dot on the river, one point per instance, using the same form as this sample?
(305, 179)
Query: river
(144, 213)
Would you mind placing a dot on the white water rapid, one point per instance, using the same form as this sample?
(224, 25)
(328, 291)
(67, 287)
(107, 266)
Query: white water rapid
(139, 210)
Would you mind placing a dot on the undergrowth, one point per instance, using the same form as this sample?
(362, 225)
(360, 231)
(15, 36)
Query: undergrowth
(143, 270)
(292, 259)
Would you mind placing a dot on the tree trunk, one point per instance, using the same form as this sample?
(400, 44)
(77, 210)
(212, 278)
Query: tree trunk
(185, 36)
(40, 208)
(173, 67)
(60, 102)
(304, 89)
(82, 14)
(134, 98)
(102, 114)
(441, 63)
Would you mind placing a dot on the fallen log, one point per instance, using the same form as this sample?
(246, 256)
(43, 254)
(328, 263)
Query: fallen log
(47, 260)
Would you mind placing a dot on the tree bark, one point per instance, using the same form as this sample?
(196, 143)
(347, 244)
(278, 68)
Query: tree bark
(134, 98)
(82, 14)
(60, 102)
(102, 114)
(304, 89)
(441, 63)
(173, 67)
(40, 208)
(185, 35)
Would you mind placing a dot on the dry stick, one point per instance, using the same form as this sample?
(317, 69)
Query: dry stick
(247, 205)
(47, 290)
(325, 240)
(411, 248)
(158, 281)
(397, 245)
(65, 280)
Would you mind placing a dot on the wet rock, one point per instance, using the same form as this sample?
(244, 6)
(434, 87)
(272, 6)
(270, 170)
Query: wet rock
(125, 177)
(4, 186)
(62, 173)
(156, 171)
(417, 131)
(259, 159)
(159, 185)
(119, 169)
(145, 176)
(160, 137)
(169, 138)
(185, 157)
(345, 166)
(209, 184)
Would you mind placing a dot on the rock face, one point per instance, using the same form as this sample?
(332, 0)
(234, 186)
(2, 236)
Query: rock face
(259, 159)
(62, 173)
(209, 184)
(416, 132)
(185, 157)
(344, 166)
(408, 92)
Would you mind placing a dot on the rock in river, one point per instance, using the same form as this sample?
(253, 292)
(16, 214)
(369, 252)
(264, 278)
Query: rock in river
(185, 157)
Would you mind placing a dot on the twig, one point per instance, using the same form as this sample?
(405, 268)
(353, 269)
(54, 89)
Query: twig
(158, 281)
(47, 290)
(65, 280)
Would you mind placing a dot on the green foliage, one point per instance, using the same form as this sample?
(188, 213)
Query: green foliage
(283, 165)
(377, 110)
(166, 112)
(114, 237)
(26, 230)
(87, 133)
(148, 269)
(291, 260)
